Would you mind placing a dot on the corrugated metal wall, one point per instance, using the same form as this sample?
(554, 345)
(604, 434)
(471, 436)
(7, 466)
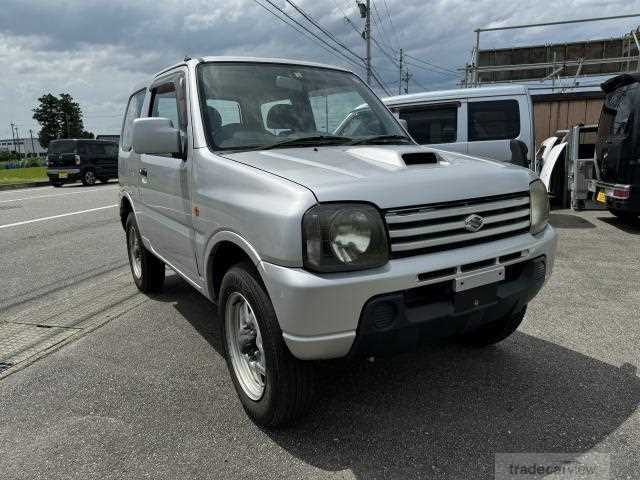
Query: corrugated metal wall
(558, 114)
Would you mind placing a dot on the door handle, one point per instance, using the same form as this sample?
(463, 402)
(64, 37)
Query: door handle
(142, 172)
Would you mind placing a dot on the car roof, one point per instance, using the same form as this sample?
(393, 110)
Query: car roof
(453, 94)
(221, 59)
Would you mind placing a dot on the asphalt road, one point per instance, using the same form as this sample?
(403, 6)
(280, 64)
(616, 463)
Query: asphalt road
(147, 394)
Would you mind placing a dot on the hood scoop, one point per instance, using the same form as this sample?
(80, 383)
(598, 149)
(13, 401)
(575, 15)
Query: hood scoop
(420, 158)
(394, 159)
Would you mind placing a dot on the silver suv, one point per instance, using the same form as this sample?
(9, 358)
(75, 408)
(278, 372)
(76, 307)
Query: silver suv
(316, 245)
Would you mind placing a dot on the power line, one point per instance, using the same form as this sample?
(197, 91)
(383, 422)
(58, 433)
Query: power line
(324, 44)
(381, 29)
(393, 27)
(431, 64)
(322, 29)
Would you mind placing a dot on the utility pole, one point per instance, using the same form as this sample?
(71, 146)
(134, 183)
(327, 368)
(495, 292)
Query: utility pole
(400, 79)
(13, 137)
(365, 12)
(368, 27)
(18, 142)
(33, 147)
(407, 77)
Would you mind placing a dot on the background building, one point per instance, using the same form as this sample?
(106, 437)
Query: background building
(22, 145)
(563, 78)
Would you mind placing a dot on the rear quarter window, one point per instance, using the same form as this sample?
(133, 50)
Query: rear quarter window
(62, 146)
(494, 120)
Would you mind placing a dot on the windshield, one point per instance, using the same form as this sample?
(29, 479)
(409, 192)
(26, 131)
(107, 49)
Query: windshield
(263, 105)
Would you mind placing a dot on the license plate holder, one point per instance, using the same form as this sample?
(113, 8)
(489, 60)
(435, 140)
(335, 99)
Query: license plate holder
(478, 279)
(63, 174)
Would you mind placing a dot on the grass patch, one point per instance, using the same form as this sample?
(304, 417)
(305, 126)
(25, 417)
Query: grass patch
(23, 175)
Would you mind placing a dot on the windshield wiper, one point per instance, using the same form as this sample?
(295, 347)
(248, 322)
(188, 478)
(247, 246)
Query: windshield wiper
(382, 139)
(311, 140)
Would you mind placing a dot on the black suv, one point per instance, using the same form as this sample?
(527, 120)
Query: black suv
(70, 160)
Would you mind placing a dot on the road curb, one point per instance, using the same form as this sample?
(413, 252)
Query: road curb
(18, 186)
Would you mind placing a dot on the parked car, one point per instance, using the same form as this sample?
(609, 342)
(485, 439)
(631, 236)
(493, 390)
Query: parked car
(316, 245)
(618, 148)
(70, 160)
(477, 121)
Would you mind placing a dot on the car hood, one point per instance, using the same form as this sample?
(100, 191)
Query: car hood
(377, 174)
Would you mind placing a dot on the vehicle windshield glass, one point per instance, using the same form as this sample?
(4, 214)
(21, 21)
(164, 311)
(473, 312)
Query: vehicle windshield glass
(262, 105)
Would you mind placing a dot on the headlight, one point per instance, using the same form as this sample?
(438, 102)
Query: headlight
(343, 237)
(539, 206)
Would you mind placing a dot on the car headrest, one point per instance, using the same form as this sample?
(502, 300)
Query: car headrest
(215, 119)
(283, 116)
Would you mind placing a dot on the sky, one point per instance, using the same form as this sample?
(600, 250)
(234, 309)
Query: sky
(98, 50)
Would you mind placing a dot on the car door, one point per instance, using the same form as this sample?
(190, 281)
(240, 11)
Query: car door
(491, 126)
(438, 125)
(164, 182)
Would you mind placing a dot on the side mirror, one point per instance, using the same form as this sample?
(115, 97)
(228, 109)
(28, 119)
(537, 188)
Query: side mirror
(156, 136)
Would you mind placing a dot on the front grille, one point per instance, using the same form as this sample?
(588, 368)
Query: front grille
(439, 227)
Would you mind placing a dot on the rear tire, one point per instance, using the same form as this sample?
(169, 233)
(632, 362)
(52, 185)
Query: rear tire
(88, 178)
(284, 393)
(625, 217)
(147, 270)
(494, 332)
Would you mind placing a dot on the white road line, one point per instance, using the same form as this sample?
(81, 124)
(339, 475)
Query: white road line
(8, 225)
(55, 195)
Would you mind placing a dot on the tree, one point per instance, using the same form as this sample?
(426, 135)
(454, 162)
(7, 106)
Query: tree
(59, 117)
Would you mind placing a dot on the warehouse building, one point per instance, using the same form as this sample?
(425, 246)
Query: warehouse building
(23, 146)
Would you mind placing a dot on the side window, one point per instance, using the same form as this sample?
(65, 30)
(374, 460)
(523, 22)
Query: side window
(112, 150)
(164, 103)
(495, 120)
(229, 110)
(134, 110)
(432, 124)
(98, 149)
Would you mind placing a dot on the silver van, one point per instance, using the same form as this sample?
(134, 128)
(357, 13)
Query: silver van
(316, 245)
(477, 121)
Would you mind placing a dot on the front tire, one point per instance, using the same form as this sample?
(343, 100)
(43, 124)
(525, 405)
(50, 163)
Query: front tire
(88, 178)
(274, 387)
(146, 268)
(495, 331)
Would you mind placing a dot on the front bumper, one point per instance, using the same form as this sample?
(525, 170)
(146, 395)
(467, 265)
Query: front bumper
(319, 314)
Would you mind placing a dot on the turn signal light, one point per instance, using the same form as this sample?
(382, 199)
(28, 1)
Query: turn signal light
(77, 159)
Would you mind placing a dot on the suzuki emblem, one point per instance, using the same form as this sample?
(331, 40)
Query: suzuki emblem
(473, 223)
